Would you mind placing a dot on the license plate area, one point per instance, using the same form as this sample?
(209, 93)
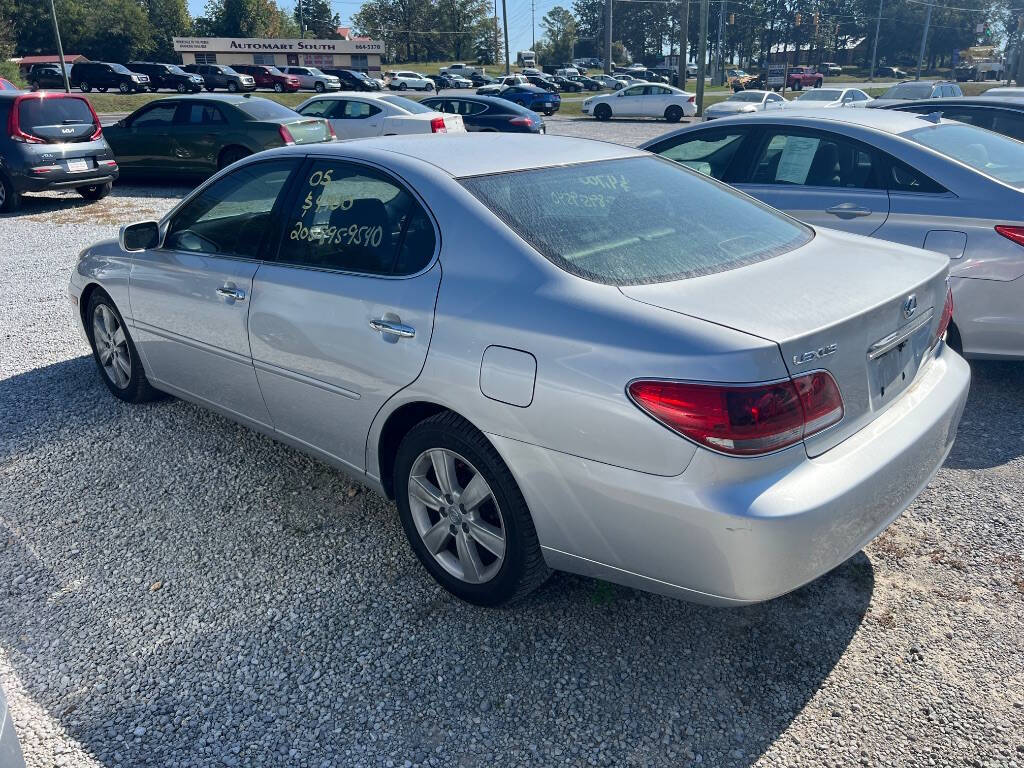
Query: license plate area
(77, 165)
(892, 372)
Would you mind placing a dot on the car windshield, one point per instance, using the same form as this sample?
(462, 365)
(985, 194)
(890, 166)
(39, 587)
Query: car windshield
(228, 71)
(820, 94)
(265, 109)
(314, 71)
(121, 69)
(176, 70)
(407, 104)
(358, 75)
(635, 220)
(990, 153)
(275, 71)
(749, 96)
(909, 91)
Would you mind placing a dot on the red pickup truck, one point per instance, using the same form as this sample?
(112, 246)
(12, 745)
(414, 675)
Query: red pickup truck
(803, 77)
(269, 77)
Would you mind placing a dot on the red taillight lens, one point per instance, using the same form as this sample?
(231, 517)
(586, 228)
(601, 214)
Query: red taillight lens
(286, 135)
(1011, 233)
(743, 420)
(946, 316)
(691, 100)
(521, 120)
(330, 129)
(437, 125)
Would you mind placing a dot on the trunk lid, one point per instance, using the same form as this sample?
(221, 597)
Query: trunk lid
(840, 303)
(453, 123)
(308, 131)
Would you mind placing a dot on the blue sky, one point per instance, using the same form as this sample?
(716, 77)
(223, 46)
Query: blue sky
(519, 33)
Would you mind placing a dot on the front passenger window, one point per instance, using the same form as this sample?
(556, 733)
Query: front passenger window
(351, 218)
(232, 216)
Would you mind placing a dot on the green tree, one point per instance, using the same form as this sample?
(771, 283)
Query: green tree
(317, 18)
(559, 35)
(246, 18)
(169, 19)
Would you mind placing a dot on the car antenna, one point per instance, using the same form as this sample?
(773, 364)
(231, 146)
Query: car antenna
(932, 117)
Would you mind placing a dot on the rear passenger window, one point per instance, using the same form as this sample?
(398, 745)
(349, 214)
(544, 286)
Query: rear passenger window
(903, 178)
(815, 160)
(350, 218)
(710, 155)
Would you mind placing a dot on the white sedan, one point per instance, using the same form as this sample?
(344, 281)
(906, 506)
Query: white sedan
(820, 98)
(410, 81)
(361, 115)
(744, 102)
(643, 100)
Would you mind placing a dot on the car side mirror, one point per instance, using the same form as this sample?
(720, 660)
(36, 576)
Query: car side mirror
(140, 236)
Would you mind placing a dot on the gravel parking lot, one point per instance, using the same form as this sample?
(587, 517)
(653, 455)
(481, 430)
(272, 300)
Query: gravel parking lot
(178, 591)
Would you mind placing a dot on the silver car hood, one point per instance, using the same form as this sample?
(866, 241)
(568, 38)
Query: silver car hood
(838, 289)
(733, 107)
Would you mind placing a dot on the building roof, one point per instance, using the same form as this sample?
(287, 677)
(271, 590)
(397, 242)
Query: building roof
(48, 59)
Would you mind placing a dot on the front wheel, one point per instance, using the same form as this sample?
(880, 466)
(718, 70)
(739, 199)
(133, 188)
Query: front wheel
(603, 112)
(817, 83)
(464, 515)
(674, 114)
(181, 88)
(319, 88)
(278, 88)
(549, 112)
(210, 88)
(233, 87)
(115, 353)
(125, 88)
(95, 191)
(84, 87)
(797, 86)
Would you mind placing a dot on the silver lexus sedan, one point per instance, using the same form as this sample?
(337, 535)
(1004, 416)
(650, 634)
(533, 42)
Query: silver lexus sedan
(562, 354)
(914, 179)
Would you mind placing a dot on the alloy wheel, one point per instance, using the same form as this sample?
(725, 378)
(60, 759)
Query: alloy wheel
(3, 195)
(111, 346)
(456, 515)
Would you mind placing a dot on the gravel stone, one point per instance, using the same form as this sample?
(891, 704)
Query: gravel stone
(294, 626)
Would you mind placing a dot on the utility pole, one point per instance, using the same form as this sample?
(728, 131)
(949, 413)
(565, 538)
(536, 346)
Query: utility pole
(924, 39)
(533, 24)
(702, 56)
(60, 48)
(684, 32)
(302, 24)
(1019, 73)
(504, 19)
(719, 72)
(874, 47)
(607, 36)
(495, 32)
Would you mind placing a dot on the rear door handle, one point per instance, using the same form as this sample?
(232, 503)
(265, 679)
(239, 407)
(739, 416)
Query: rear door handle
(393, 329)
(848, 210)
(235, 294)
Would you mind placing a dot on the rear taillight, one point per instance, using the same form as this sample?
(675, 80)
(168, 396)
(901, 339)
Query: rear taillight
(743, 419)
(1011, 233)
(691, 100)
(286, 135)
(521, 120)
(330, 130)
(946, 316)
(437, 125)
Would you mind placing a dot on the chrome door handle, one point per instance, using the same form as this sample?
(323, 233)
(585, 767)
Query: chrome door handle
(393, 329)
(849, 210)
(236, 294)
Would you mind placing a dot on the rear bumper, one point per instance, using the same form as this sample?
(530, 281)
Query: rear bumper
(62, 180)
(732, 531)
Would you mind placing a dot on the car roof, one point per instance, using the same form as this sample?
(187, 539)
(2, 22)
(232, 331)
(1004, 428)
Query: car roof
(220, 98)
(475, 154)
(886, 120)
(1015, 103)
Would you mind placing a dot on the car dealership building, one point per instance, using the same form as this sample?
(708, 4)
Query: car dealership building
(363, 55)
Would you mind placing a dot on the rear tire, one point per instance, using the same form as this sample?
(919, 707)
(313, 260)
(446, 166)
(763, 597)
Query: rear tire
(674, 114)
(95, 191)
(603, 112)
(10, 200)
(402, 86)
(457, 532)
(231, 155)
(115, 351)
(84, 87)
(210, 88)
(797, 86)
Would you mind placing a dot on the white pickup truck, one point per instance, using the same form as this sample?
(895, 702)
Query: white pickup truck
(460, 69)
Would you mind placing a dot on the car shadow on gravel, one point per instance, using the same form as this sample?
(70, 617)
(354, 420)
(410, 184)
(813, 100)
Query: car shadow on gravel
(991, 430)
(71, 203)
(180, 591)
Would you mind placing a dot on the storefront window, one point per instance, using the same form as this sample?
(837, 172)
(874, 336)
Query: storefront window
(318, 59)
(360, 61)
(267, 59)
(206, 58)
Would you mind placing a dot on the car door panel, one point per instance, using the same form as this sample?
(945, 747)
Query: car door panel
(190, 298)
(324, 365)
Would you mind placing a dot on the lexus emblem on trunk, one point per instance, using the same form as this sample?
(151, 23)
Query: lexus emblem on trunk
(910, 306)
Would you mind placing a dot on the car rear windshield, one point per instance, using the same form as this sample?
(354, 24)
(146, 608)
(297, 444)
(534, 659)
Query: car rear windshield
(407, 104)
(753, 96)
(66, 110)
(265, 109)
(990, 153)
(819, 95)
(121, 69)
(635, 220)
(909, 91)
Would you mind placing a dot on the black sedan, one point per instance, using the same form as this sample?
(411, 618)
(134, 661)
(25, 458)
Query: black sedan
(567, 85)
(1005, 116)
(488, 113)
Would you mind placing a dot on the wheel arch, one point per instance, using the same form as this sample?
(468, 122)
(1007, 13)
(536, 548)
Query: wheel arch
(396, 426)
(230, 147)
